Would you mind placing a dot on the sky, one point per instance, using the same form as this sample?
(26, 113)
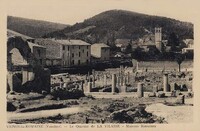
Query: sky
(73, 11)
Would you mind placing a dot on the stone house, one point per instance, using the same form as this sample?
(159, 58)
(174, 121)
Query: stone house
(100, 51)
(66, 53)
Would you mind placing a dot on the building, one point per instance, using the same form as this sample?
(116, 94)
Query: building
(100, 51)
(66, 53)
(155, 40)
(53, 51)
(189, 46)
(123, 43)
(158, 38)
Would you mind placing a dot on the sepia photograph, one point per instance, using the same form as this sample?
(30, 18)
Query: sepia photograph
(82, 62)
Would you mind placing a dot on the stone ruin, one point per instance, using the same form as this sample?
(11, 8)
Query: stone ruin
(119, 82)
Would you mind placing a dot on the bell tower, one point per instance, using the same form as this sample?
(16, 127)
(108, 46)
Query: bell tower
(158, 38)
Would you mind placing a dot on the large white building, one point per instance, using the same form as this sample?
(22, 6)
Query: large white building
(66, 53)
(100, 51)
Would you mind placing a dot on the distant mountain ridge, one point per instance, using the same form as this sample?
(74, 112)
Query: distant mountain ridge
(120, 24)
(32, 28)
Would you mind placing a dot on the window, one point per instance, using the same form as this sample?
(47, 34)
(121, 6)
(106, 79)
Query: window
(83, 51)
(87, 61)
(72, 62)
(87, 53)
(68, 48)
(79, 47)
(87, 47)
(79, 62)
(72, 54)
(79, 54)
(63, 47)
(39, 53)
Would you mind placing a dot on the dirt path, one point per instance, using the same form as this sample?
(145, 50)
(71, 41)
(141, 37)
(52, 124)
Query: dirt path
(43, 113)
(172, 114)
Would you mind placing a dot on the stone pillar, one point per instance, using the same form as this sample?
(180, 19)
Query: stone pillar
(81, 85)
(93, 78)
(165, 83)
(105, 80)
(85, 82)
(173, 86)
(113, 83)
(137, 66)
(120, 70)
(10, 81)
(155, 88)
(117, 80)
(89, 87)
(180, 99)
(124, 80)
(140, 92)
(128, 78)
(65, 85)
(121, 80)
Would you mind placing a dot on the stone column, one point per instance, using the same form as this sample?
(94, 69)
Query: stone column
(10, 81)
(117, 80)
(93, 78)
(155, 88)
(165, 83)
(140, 92)
(124, 80)
(89, 87)
(113, 83)
(65, 85)
(121, 80)
(137, 66)
(173, 85)
(180, 99)
(105, 80)
(81, 85)
(128, 78)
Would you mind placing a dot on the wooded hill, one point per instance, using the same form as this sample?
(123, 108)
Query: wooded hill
(32, 28)
(119, 24)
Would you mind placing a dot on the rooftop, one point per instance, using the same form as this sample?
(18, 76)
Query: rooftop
(100, 45)
(11, 33)
(71, 42)
(32, 44)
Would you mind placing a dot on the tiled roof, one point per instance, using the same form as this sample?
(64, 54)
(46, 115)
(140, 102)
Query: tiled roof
(71, 42)
(32, 44)
(100, 45)
(124, 42)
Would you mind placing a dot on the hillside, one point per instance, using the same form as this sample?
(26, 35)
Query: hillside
(32, 28)
(119, 24)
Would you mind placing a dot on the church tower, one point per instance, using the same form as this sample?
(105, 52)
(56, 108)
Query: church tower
(158, 38)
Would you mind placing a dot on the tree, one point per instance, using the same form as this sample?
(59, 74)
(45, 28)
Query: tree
(179, 59)
(128, 49)
(173, 41)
